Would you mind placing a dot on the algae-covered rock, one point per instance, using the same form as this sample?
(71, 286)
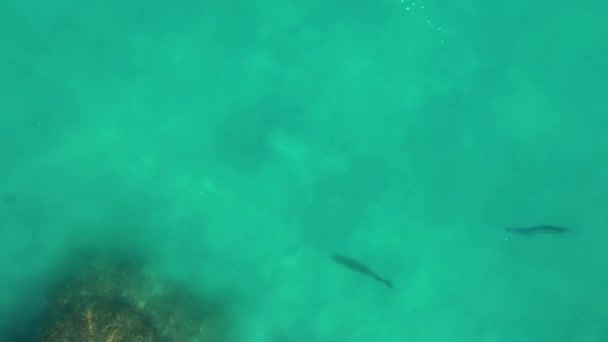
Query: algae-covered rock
(111, 301)
(100, 320)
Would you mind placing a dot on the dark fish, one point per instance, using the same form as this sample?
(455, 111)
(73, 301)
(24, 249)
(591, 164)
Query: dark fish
(359, 267)
(542, 229)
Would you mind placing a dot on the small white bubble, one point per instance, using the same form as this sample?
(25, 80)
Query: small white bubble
(407, 8)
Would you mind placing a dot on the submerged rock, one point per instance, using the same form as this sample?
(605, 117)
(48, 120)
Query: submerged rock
(111, 301)
(99, 319)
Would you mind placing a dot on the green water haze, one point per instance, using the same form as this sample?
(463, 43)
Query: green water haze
(230, 148)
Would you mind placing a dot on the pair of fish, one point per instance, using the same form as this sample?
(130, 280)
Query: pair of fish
(359, 267)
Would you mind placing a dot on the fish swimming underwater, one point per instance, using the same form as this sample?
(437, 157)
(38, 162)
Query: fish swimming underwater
(541, 229)
(359, 267)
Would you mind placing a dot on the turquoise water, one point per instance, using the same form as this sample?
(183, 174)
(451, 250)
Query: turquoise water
(235, 146)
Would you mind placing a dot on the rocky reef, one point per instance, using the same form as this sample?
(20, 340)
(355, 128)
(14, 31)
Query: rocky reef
(112, 301)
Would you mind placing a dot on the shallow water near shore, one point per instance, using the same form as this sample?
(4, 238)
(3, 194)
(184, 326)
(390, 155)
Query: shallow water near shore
(185, 172)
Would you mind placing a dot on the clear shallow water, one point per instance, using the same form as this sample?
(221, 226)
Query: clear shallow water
(232, 148)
